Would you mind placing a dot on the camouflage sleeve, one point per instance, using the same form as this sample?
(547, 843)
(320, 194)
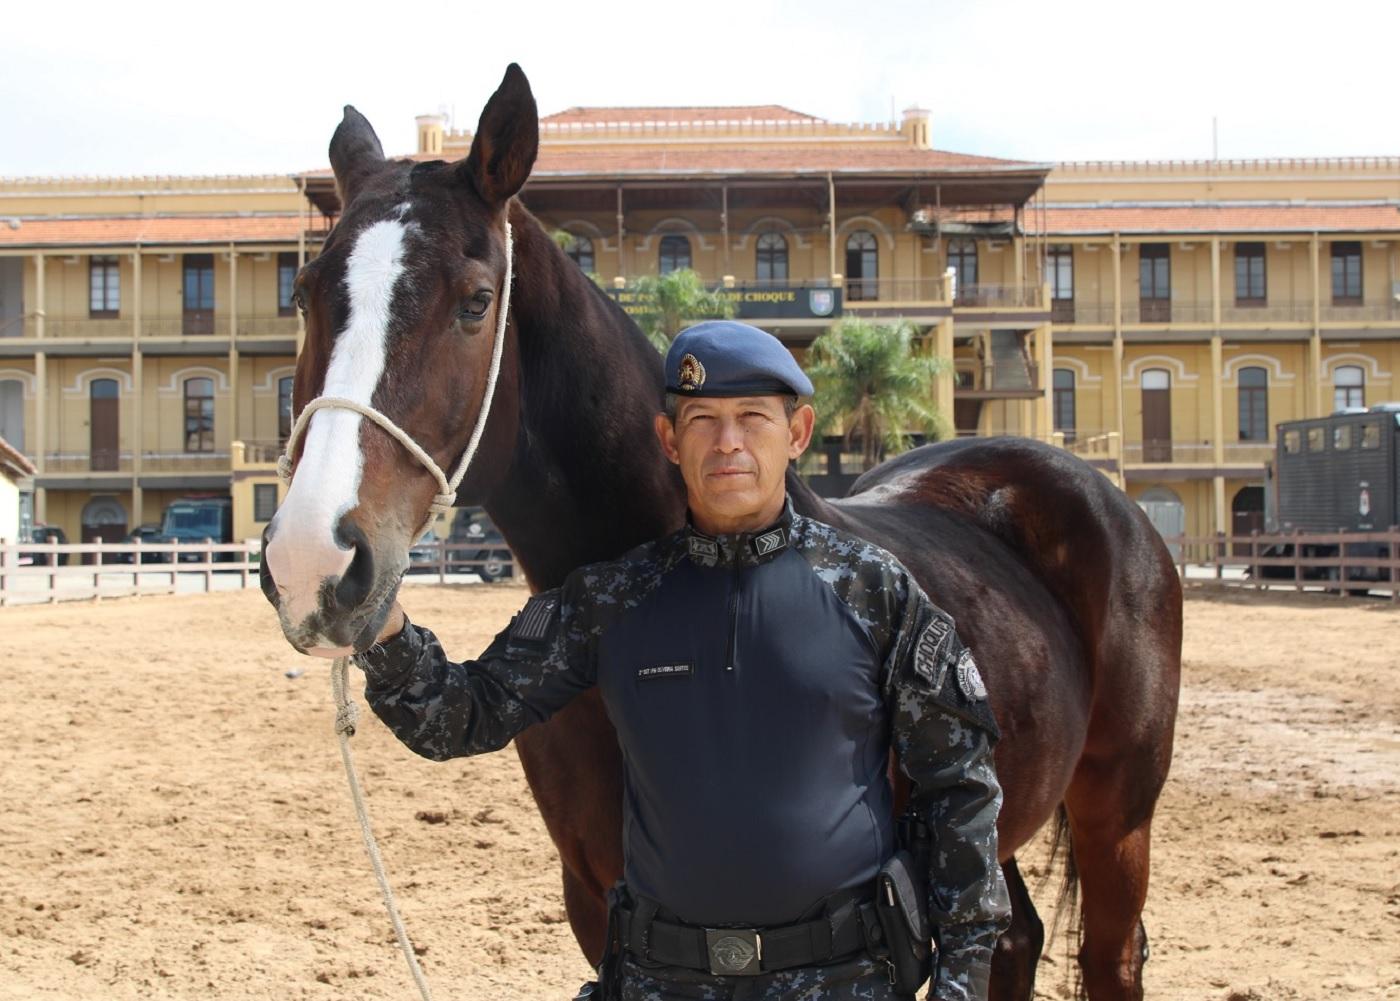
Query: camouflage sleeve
(943, 732)
(442, 710)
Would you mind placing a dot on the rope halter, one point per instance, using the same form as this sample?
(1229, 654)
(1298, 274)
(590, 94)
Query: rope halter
(446, 497)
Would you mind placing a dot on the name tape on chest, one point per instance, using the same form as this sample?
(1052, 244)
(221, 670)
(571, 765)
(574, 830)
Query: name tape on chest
(928, 652)
(664, 671)
(533, 622)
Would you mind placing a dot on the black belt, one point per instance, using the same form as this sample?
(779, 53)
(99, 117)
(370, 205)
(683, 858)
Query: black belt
(841, 932)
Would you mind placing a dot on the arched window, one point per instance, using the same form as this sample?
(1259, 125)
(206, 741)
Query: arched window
(862, 266)
(771, 260)
(12, 412)
(1064, 402)
(1350, 383)
(103, 429)
(199, 415)
(962, 258)
(284, 409)
(675, 253)
(580, 251)
(1254, 404)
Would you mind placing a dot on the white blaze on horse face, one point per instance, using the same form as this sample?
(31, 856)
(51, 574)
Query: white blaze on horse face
(303, 551)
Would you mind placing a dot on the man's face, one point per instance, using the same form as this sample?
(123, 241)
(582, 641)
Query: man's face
(733, 453)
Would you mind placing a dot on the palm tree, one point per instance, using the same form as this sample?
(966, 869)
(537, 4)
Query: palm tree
(875, 380)
(674, 301)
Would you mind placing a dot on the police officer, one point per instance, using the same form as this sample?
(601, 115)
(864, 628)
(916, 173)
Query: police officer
(758, 666)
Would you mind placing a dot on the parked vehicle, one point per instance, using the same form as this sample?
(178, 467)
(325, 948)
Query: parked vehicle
(423, 556)
(196, 519)
(1339, 473)
(146, 533)
(48, 533)
(492, 560)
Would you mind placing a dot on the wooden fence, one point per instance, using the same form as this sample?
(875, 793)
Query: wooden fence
(1351, 562)
(47, 572)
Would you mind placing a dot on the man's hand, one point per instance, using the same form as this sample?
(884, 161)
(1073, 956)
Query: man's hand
(393, 625)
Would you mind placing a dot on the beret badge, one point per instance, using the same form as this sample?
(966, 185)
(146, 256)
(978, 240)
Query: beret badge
(691, 374)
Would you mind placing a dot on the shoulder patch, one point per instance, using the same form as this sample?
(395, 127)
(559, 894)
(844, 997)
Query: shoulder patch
(532, 623)
(969, 678)
(929, 662)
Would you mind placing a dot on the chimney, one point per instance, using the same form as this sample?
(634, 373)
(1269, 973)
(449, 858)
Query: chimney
(917, 128)
(430, 133)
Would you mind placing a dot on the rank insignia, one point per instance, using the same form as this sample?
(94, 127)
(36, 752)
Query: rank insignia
(769, 542)
(703, 549)
(969, 678)
(928, 652)
(691, 374)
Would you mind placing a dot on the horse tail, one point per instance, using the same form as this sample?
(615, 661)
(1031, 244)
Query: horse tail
(1067, 899)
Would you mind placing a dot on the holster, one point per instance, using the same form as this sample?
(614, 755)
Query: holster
(901, 903)
(609, 986)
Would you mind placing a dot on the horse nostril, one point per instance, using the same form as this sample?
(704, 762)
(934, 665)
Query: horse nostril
(358, 579)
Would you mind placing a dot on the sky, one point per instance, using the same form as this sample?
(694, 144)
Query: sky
(253, 87)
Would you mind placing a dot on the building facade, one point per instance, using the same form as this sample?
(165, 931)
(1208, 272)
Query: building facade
(1158, 318)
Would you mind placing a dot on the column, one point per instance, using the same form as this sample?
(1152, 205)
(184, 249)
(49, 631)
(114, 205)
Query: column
(1121, 421)
(40, 312)
(41, 406)
(233, 343)
(1018, 246)
(945, 383)
(138, 416)
(1314, 400)
(1045, 360)
(1217, 389)
(621, 237)
(831, 231)
(1217, 399)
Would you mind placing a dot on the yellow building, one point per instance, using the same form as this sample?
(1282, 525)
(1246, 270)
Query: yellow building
(1161, 317)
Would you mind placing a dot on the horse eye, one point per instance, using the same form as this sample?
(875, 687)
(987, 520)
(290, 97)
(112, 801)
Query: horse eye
(475, 307)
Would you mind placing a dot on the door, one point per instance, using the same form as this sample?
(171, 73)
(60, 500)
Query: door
(862, 267)
(1246, 516)
(104, 518)
(1167, 514)
(103, 429)
(199, 294)
(1155, 283)
(12, 412)
(1156, 415)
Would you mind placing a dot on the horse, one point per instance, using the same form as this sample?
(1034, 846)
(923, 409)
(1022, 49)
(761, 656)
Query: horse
(1058, 583)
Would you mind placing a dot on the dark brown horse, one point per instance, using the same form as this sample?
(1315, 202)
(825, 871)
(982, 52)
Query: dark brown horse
(1057, 581)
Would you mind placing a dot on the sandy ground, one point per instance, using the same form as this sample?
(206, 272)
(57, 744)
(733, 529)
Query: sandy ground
(176, 824)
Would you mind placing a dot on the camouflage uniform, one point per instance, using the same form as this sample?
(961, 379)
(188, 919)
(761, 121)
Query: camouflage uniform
(740, 767)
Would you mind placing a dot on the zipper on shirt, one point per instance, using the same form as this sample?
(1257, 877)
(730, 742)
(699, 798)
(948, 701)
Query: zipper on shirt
(729, 650)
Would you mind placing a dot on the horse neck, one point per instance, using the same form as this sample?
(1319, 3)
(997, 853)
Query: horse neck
(588, 480)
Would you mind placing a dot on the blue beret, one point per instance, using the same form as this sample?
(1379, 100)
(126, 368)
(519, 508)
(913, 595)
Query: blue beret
(725, 358)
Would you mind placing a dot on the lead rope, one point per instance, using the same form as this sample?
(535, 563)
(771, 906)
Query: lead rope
(346, 712)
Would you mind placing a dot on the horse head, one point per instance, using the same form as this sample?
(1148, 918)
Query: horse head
(402, 309)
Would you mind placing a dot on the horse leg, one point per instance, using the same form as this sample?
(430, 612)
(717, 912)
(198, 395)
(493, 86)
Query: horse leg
(574, 769)
(1112, 848)
(1018, 950)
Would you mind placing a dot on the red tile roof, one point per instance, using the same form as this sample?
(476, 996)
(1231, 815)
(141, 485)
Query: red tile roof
(1218, 218)
(149, 230)
(730, 113)
(761, 158)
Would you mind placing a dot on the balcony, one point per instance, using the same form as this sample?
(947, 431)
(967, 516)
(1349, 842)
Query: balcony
(59, 463)
(257, 453)
(1185, 312)
(1001, 297)
(866, 292)
(1198, 453)
(185, 462)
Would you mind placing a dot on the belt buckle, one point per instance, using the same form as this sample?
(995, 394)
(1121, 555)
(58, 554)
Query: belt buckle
(734, 952)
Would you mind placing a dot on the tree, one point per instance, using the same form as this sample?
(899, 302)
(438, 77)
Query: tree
(674, 301)
(875, 381)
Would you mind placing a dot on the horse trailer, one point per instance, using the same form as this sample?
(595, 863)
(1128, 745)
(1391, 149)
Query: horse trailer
(1339, 473)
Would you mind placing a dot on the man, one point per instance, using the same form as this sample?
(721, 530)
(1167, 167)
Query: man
(758, 667)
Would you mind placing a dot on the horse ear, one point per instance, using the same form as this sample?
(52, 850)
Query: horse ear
(507, 139)
(355, 153)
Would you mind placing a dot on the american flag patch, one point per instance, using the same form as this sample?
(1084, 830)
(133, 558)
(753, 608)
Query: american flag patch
(533, 622)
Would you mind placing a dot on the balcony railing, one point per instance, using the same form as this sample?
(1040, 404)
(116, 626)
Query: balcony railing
(267, 326)
(1007, 377)
(102, 461)
(995, 296)
(871, 291)
(1179, 311)
(185, 462)
(82, 328)
(260, 453)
